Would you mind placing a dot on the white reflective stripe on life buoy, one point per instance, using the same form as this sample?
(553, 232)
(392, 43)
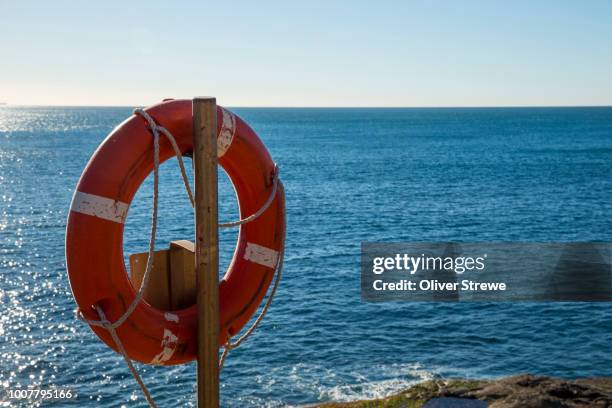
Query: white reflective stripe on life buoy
(168, 344)
(261, 255)
(101, 207)
(227, 133)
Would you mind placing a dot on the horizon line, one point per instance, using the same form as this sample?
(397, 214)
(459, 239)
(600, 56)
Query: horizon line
(5, 104)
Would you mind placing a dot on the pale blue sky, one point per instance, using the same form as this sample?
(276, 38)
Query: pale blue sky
(307, 53)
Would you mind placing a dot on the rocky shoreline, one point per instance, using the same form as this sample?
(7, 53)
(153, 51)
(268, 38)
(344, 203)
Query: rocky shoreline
(520, 391)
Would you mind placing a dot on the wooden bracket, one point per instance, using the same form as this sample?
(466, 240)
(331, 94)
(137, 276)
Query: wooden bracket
(172, 285)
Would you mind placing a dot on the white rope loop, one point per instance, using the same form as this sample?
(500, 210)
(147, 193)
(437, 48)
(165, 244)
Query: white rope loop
(155, 128)
(152, 236)
(150, 256)
(262, 209)
(229, 346)
(127, 359)
(111, 327)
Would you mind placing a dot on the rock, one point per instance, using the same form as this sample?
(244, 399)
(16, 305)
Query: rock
(520, 391)
(452, 402)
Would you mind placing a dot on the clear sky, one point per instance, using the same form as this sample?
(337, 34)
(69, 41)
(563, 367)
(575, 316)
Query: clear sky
(307, 53)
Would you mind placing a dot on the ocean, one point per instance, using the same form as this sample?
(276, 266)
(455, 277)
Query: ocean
(351, 176)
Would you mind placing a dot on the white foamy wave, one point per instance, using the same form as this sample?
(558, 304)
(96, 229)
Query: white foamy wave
(329, 384)
(395, 378)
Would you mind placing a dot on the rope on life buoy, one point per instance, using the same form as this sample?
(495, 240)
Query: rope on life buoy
(112, 326)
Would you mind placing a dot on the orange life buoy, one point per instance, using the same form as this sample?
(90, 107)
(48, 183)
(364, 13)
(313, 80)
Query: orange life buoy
(94, 234)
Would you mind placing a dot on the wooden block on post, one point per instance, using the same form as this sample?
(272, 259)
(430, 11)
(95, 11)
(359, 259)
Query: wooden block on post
(182, 275)
(172, 285)
(157, 292)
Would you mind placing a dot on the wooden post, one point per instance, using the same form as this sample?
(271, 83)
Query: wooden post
(206, 249)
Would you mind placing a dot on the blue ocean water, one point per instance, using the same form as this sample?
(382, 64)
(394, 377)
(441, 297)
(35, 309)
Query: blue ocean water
(351, 175)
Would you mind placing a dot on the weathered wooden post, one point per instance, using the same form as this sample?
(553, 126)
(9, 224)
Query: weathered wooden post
(206, 249)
